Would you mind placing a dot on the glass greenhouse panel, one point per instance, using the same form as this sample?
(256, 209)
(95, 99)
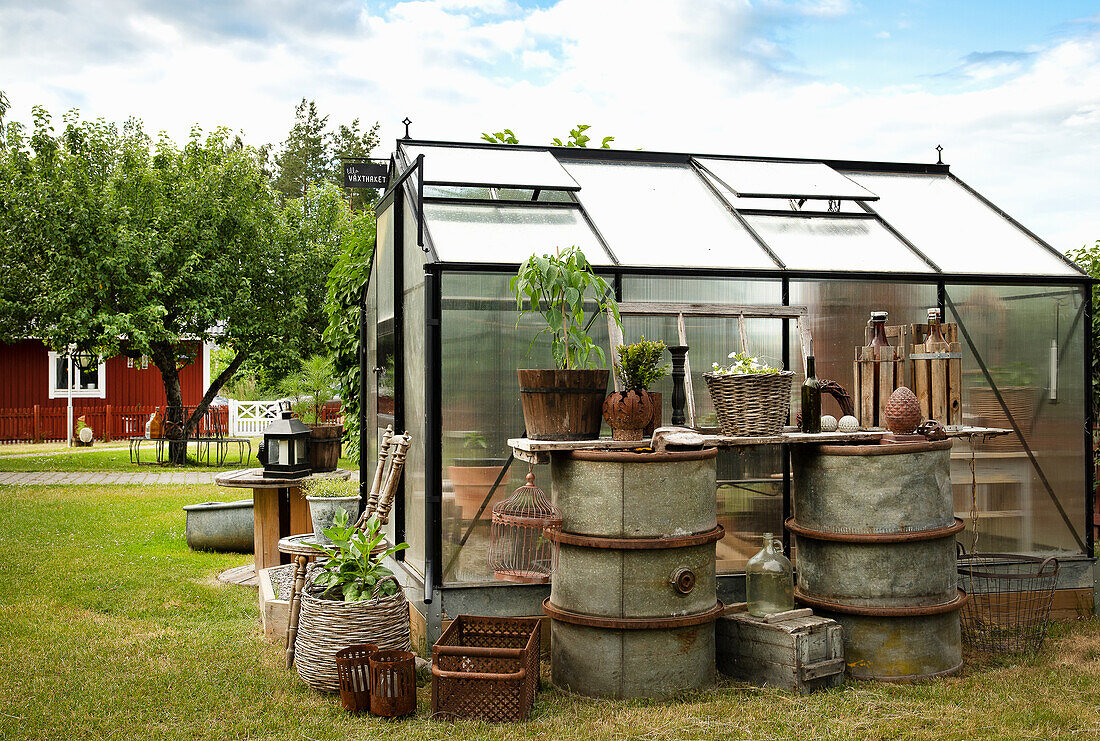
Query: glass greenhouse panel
(508, 233)
(491, 166)
(1031, 341)
(482, 348)
(835, 243)
(763, 179)
(779, 204)
(955, 229)
(663, 215)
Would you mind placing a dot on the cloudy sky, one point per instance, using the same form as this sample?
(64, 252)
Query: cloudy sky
(1010, 89)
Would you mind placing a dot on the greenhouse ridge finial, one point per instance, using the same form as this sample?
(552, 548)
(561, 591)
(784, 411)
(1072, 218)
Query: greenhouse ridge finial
(407, 121)
(939, 151)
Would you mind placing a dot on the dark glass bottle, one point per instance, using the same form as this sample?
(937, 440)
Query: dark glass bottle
(878, 329)
(935, 329)
(811, 399)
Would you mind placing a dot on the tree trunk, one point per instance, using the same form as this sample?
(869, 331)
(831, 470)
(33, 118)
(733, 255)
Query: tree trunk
(164, 357)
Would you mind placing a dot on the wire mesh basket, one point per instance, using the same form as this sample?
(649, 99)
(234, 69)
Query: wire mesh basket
(1010, 598)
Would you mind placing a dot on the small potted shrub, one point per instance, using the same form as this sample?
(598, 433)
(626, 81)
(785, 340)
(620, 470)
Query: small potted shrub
(350, 598)
(472, 477)
(751, 398)
(564, 403)
(631, 410)
(328, 498)
(312, 388)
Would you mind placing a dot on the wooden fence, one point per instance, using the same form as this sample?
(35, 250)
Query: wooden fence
(108, 422)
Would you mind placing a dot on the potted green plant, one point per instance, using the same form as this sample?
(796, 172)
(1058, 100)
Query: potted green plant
(312, 387)
(564, 403)
(473, 477)
(630, 411)
(328, 498)
(751, 398)
(350, 598)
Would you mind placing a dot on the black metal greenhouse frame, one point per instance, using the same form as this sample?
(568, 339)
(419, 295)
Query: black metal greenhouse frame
(415, 199)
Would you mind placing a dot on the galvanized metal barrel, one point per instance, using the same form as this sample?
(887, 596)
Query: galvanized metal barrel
(875, 531)
(632, 602)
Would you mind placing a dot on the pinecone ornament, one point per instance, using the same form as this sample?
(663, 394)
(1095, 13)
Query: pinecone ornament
(902, 412)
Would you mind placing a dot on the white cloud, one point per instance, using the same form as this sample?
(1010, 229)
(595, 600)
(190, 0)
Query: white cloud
(882, 35)
(1024, 128)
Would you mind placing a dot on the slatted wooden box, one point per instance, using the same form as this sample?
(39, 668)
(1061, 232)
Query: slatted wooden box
(936, 370)
(803, 654)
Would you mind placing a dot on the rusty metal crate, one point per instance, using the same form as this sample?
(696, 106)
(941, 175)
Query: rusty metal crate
(486, 668)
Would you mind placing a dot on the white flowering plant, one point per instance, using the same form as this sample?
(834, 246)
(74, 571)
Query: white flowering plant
(743, 363)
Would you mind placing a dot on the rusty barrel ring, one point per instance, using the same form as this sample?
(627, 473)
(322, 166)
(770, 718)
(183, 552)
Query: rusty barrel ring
(961, 598)
(661, 623)
(620, 456)
(909, 536)
(637, 544)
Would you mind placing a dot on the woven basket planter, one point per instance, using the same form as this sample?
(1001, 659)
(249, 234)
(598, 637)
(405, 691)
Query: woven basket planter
(327, 626)
(750, 404)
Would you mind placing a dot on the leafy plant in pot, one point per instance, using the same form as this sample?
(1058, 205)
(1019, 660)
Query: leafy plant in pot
(354, 570)
(473, 477)
(329, 499)
(564, 403)
(630, 411)
(312, 387)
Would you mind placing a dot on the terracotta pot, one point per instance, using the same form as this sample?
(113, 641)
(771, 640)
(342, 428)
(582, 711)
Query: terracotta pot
(562, 404)
(471, 484)
(628, 413)
(324, 446)
(658, 419)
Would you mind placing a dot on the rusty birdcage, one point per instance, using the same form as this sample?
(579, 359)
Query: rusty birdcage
(519, 550)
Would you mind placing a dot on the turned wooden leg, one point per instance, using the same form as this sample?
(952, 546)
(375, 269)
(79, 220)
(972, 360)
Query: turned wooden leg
(295, 606)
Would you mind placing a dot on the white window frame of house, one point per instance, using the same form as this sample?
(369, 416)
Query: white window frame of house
(78, 393)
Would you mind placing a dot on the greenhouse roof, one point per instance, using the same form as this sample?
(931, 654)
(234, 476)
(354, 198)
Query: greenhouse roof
(490, 204)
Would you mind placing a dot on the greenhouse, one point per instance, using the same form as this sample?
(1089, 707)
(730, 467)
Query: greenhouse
(674, 231)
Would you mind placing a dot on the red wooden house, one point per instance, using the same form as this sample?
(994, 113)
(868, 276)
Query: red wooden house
(115, 398)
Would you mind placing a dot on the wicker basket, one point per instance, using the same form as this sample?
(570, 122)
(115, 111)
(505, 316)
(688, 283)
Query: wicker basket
(327, 626)
(486, 668)
(751, 404)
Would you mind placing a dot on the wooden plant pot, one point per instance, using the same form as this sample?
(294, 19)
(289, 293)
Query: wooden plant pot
(628, 413)
(324, 446)
(563, 404)
(471, 484)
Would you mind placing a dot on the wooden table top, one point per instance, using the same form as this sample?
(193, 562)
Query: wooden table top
(253, 478)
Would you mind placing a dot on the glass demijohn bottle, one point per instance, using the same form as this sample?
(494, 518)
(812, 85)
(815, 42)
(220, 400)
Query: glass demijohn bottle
(811, 399)
(769, 580)
(878, 329)
(935, 328)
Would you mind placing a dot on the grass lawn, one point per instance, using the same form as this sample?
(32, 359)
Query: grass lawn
(109, 457)
(111, 628)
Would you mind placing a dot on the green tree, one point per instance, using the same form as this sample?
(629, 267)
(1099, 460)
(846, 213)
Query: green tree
(576, 138)
(1088, 259)
(346, 282)
(123, 244)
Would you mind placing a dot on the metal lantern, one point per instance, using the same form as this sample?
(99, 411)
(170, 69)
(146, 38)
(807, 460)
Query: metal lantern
(285, 448)
(519, 547)
(86, 360)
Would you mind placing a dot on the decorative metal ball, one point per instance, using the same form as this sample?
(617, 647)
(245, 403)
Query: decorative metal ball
(902, 412)
(848, 423)
(828, 423)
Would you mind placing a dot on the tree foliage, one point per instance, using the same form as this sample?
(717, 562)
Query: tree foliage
(346, 281)
(576, 138)
(1088, 259)
(119, 243)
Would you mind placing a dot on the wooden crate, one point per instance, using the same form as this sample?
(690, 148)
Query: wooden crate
(802, 654)
(936, 370)
(877, 372)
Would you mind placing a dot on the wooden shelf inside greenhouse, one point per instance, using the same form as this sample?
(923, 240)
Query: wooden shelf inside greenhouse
(539, 451)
